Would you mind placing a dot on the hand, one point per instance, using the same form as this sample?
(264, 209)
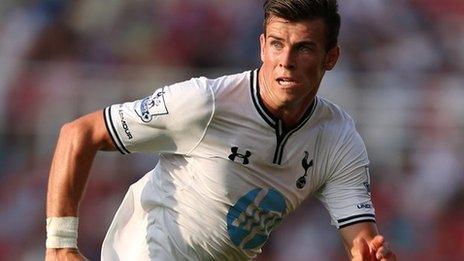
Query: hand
(55, 254)
(376, 249)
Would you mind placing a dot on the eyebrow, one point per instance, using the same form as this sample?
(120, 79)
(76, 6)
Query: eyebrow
(275, 37)
(302, 43)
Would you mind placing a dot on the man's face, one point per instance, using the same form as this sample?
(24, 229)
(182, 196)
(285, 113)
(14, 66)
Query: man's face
(294, 61)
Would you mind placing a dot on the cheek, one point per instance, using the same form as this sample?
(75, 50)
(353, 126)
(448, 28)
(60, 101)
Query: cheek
(312, 65)
(268, 56)
(309, 68)
(312, 72)
(270, 62)
(271, 55)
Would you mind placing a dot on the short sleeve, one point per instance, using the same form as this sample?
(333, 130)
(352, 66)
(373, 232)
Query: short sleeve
(346, 194)
(173, 119)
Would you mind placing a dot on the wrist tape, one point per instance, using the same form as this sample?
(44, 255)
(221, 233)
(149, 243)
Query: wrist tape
(62, 232)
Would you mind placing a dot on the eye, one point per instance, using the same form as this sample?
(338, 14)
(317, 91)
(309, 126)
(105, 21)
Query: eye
(305, 49)
(276, 44)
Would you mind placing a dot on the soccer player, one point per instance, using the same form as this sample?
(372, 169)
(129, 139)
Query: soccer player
(237, 155)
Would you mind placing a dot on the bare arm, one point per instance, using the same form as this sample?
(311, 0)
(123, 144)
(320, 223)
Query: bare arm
(78, 143)
(363, 242)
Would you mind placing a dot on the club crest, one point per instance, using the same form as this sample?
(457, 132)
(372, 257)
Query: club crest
(301, 181)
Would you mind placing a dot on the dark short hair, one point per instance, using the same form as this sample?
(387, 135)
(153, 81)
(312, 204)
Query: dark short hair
(298, 10)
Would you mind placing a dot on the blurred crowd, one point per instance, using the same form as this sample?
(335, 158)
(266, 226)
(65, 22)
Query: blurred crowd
(400, 76)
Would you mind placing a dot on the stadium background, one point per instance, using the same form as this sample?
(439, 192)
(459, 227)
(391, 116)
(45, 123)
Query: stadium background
(400, 76)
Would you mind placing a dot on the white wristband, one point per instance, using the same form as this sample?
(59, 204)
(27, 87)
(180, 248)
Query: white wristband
(62, 232)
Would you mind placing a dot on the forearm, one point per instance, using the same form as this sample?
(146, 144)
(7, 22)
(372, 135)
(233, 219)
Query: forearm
(363, 242)
(77, 146)
(364, 230)
(69, 172)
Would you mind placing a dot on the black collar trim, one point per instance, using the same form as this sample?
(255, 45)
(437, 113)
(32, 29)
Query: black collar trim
(266, 114)
(257, 101)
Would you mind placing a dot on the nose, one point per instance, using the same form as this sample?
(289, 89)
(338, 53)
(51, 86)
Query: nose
(287, 60)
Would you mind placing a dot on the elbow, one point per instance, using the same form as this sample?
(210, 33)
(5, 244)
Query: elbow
(73, 130)
(78, 135)
(87, 132)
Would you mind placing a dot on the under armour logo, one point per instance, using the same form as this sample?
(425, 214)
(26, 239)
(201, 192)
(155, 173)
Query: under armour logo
(301, 182)
(236, 154)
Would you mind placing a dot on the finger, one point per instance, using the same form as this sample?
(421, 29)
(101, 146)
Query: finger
(384, 253)
(377, 242)
(360, 248)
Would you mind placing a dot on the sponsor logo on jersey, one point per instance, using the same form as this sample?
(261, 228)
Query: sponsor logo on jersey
(364, 205)
(151, 106)
(252, 218)
(301, 182)
(235, 154)
(124, 124)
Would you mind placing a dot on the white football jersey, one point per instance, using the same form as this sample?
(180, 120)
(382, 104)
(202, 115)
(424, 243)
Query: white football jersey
(229, 172)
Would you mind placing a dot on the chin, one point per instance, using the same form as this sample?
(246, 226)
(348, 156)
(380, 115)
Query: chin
(291, 91)
(289, 99)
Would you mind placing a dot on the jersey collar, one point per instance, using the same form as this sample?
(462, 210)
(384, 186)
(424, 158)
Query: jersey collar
(267, 116)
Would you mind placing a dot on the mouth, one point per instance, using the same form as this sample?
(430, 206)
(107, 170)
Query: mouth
(286, 81)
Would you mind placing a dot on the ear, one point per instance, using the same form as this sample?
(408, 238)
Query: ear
(262, 42)
(332, 58)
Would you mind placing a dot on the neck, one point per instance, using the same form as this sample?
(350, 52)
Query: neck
(290, 113)
(289, 116)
